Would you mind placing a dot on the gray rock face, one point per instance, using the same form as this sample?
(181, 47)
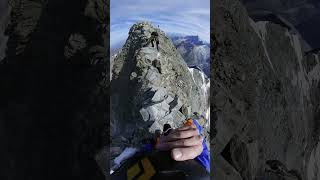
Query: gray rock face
(151, 88)
(313, 165)
(265, 99)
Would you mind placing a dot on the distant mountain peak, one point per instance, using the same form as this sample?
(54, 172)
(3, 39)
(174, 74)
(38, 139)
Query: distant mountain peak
(194, 51)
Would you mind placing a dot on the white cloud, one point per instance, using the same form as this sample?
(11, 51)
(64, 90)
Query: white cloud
(179, 16)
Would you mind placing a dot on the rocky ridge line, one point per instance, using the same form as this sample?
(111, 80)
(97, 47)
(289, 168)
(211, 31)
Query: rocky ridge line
(151, 88)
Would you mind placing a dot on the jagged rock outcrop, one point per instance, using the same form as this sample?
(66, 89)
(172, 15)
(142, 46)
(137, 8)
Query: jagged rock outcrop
(151, 88)
(265, 99)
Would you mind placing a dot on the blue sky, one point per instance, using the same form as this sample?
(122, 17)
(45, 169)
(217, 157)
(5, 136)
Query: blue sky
(190, 17)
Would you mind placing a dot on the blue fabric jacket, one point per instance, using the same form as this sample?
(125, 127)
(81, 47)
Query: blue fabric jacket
(204, 157)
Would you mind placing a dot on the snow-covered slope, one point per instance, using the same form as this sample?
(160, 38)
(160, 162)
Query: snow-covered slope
(194, 51)
(203, 82)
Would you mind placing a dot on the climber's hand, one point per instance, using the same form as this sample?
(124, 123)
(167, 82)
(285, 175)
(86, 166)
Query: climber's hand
(185, 143)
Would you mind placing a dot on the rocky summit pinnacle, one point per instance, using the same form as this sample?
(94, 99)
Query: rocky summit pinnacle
(152, 87)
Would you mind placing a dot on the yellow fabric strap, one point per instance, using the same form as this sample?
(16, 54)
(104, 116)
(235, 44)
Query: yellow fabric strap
(149, 171)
